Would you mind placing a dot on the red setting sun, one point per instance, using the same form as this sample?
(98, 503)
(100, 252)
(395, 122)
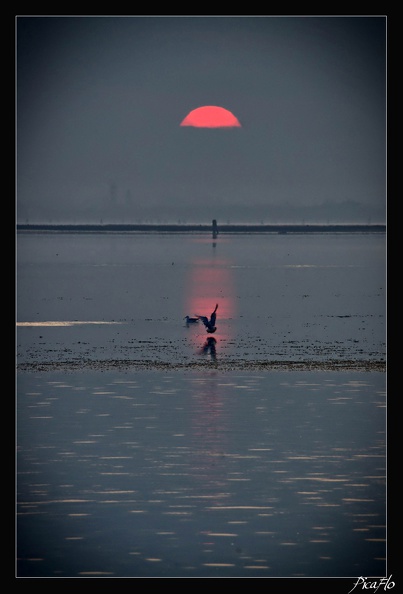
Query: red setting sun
(211, 116)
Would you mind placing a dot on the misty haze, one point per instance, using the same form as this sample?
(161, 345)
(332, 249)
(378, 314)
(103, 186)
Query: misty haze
(101, 99)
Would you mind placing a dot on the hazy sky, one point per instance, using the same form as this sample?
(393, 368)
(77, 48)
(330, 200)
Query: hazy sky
(100, 101)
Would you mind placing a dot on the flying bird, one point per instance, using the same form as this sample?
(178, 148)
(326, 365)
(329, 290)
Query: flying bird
(210, 323)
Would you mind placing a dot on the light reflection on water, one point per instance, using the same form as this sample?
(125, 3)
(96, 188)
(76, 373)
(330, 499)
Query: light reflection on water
(210, 282)
(280, 297)
(154, 474)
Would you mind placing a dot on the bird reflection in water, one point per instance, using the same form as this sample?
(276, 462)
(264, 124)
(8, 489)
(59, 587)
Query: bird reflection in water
(209, 297)
(209, 348)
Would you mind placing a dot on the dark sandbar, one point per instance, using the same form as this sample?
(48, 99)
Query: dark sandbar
(227, 365)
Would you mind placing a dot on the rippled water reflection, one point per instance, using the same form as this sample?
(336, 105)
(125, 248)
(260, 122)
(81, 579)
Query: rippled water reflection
(191, 474)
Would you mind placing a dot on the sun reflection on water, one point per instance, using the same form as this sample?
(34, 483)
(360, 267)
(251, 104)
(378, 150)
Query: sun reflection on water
(210, 282)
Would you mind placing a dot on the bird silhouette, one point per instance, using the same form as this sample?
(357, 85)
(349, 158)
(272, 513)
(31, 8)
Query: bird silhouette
(190, 320)
(210, 323)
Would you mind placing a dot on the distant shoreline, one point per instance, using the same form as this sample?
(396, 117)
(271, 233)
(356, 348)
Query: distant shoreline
(203, 228)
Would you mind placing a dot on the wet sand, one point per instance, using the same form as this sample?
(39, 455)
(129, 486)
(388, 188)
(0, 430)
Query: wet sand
(236, 365)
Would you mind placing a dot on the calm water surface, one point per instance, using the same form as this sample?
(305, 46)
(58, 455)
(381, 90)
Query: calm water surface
(199, 473)
(280, 296)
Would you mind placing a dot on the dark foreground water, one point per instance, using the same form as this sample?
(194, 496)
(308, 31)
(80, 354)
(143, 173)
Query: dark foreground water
(201, 474)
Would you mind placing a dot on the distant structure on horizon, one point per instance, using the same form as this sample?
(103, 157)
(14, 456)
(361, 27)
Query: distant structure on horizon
(116, 205)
